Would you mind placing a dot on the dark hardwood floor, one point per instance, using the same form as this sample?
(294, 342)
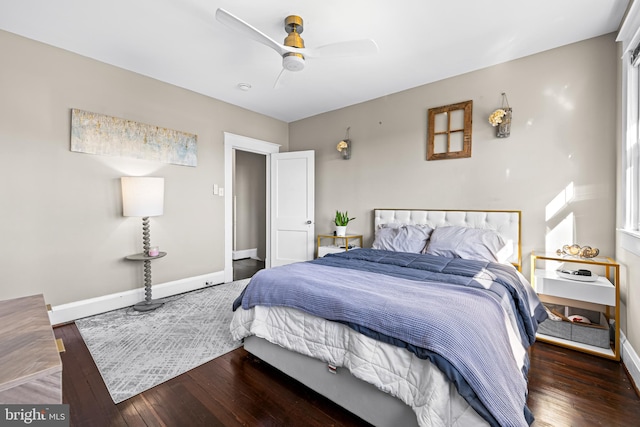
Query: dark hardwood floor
(566, 389)
(569, 388)
(232, 390)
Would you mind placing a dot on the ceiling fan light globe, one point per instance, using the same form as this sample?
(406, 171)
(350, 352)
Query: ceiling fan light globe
(293, 62)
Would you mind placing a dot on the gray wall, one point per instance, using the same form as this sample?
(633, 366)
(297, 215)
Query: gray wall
(563, 132)
(62, 232)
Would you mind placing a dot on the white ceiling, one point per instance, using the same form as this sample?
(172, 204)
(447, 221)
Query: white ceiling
(420, 41)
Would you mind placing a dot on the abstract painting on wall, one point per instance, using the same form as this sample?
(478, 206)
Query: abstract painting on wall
(112, 136)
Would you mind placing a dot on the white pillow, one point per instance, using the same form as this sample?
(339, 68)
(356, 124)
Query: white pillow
(402, 238)
(469, 243)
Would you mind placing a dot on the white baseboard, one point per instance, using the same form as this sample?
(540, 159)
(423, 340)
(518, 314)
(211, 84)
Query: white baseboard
(245, 253)
(76, 310)
(630, 359)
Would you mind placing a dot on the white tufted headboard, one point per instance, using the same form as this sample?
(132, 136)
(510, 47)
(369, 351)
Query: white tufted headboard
(506, 223)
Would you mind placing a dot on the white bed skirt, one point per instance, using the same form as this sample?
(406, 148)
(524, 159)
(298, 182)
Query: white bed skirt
(396, 371)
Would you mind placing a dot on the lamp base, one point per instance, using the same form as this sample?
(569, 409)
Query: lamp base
(148, 305)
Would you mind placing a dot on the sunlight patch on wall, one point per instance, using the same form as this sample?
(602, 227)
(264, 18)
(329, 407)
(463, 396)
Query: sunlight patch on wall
(560, 98)
(561, 234)
(560, 201)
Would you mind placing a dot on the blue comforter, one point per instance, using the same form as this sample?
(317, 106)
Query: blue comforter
(451, 311)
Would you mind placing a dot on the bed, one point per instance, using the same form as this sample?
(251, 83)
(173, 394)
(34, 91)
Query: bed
(430, 327)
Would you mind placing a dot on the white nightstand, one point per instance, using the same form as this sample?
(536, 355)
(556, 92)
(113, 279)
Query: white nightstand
(601, 295)
(337, 243)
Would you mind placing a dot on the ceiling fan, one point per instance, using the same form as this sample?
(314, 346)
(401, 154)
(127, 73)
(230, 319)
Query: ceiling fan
(293, 51)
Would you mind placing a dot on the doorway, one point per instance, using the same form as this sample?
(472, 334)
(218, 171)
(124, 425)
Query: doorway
(249, 213)
(289, 202)
(232, 145)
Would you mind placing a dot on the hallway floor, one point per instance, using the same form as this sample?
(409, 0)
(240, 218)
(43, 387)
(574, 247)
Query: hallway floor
(245, 268)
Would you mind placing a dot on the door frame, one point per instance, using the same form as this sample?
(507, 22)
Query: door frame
(243, 143)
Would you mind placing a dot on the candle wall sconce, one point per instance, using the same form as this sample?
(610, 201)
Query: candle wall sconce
(501, 118)
(344, 146)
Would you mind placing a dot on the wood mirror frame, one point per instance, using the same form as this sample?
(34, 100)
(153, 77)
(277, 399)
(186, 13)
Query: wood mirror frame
(449, 131)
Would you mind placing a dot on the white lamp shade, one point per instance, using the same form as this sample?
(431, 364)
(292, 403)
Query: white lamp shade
(142, 196)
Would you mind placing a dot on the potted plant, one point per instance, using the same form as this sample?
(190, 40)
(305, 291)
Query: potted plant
(341, 221)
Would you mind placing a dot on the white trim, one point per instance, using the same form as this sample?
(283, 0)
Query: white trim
(629, 33)
(243, 143)
(89, 307)
(629, 240)
(246, 253)
(629, 190)
(252, 145)
(630, 359)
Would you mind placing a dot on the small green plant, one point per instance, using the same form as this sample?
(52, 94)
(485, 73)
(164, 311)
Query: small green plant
(342, 218)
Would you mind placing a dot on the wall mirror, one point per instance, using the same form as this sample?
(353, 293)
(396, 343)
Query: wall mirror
(449, 131)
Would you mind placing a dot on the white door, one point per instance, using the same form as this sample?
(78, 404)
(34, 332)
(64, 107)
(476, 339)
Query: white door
(292, 207)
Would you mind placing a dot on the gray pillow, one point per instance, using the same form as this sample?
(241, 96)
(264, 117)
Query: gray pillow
(469, 243)
(402, 238)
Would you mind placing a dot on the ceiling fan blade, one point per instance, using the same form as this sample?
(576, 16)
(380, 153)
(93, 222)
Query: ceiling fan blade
(342, 49)
(284, 78)
(250, 31)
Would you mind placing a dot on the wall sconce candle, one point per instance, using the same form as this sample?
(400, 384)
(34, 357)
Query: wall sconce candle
(501, 118)
(344, 146)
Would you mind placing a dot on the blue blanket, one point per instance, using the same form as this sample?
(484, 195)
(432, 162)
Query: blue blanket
(451, 311)
(499, 279)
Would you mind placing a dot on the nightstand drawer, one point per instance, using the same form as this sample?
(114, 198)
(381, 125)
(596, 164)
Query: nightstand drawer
(323, 250)
(600, 291)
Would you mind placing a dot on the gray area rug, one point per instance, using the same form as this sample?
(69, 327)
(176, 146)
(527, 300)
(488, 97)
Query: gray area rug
(136, 351)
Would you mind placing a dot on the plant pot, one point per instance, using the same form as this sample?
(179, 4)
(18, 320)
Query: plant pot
(341, 230)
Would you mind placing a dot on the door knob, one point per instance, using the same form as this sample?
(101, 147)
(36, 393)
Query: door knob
(308, 221)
